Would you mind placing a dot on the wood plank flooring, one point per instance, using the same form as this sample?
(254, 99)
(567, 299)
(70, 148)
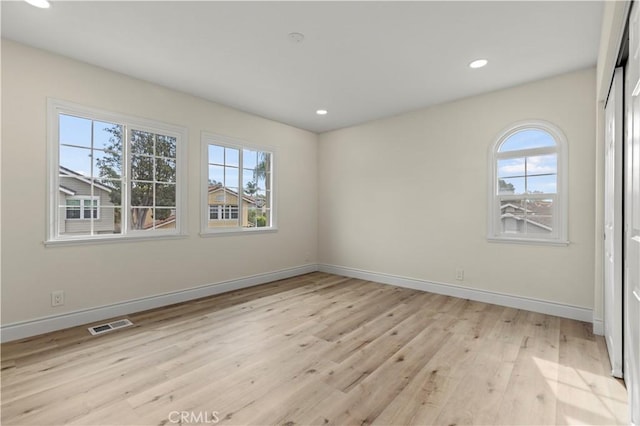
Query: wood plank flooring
(317, 349)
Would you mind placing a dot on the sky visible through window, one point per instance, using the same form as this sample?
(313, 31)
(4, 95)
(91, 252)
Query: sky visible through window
(77, 132)
(528, 174)
(223, 166)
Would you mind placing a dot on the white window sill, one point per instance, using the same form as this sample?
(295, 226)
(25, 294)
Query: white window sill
(527, 241)
(74, 241)
(236, 231)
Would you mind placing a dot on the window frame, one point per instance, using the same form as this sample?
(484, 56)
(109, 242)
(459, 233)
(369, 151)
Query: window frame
(82, 206)
(222, 210)
(55, 108)
(559, 235)
(208, 138)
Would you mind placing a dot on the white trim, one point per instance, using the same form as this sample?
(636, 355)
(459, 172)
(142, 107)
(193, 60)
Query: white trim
(159, 234)
(598, 326)
(222, 232)
(502, 299)
(560, 214)
(529, 241)
(56, 107)
(23, 329)
(209, 138)
(612, 225)
(519, 153)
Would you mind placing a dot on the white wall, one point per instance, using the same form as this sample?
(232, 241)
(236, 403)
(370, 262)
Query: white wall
(97, 275)
(407, 195)
(613, 24)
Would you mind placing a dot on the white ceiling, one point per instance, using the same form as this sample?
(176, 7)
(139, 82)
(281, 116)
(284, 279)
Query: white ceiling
(359, 60)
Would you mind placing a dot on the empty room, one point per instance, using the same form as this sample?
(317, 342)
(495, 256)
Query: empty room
(320, 213)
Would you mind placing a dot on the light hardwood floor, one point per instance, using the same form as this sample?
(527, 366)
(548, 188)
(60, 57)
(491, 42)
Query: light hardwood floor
(317, 349)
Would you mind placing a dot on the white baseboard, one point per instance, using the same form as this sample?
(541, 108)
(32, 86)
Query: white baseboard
(598, 326)
(512, 301)
(21, 330)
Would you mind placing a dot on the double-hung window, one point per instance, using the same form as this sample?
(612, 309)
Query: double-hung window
(113, 176)
(83, 208)
(237, 186)
(527, 185)
(222, 212)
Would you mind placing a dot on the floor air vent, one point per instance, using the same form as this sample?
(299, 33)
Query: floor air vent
(104, 328)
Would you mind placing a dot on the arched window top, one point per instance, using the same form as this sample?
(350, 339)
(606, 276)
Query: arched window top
(527, 139)
(530, 135)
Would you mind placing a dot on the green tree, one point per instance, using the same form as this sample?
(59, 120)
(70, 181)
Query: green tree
(152, 177)
(262, 172)
(505, 187)
(110, 167)
(255, 219)
(257, 188)
(251, 188)
(261, 221)
(263, 168)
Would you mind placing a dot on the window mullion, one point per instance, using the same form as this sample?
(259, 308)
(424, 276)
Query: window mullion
(497, 218)
(532, 152)
(526, 176)
(154, 180)
(542, 196)
(125, 193)
(92, 183)
(240, 186)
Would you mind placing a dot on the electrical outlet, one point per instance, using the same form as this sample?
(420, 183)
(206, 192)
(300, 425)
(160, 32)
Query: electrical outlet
(57, 298)
(459, 274)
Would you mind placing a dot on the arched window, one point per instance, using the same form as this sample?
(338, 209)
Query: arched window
(527, 188)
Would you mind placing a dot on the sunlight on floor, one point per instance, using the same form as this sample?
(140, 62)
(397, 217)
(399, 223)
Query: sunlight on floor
(583, 396)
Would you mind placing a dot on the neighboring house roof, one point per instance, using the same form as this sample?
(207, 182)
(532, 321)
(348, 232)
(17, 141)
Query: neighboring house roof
(539, 213)
(532, 222)
(504, 206)
(70, 173)
(160, 223)
(67, 190)
(218, 186)
(538, 207)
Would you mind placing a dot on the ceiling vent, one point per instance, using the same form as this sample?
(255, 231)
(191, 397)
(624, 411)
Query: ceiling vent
(105, 328)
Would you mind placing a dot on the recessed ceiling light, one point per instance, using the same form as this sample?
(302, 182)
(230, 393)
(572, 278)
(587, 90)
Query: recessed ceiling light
(296, 37)
(42, 4)
(322, 112)
(478, 63)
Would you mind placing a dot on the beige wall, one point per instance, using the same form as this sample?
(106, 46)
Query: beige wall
(96, 275)
(407, 195)
(404, 195)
